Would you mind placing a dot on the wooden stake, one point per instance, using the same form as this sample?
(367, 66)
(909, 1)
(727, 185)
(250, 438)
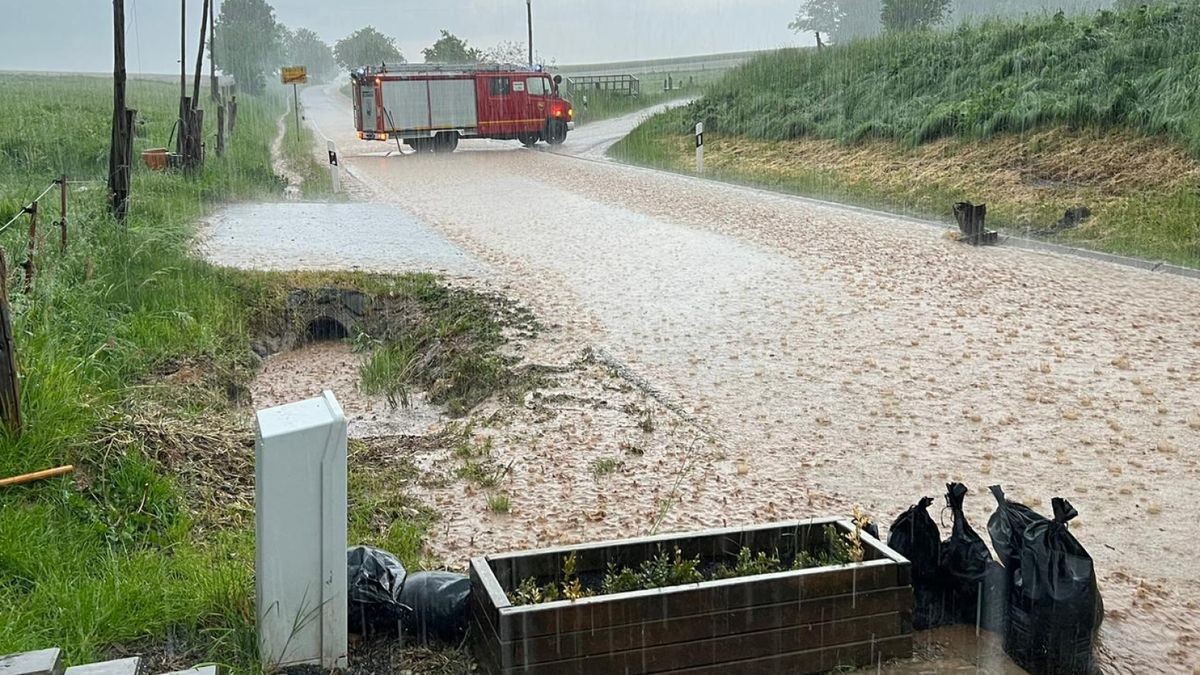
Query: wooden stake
(37, 475)
(184, 106)
(10, 381)
(31, 251)
(62, 209)
(122, 133)
(220, 130)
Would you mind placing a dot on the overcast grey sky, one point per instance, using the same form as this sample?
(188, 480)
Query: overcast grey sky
(77, 34)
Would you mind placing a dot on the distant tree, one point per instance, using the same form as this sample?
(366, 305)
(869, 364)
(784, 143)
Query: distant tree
(451, 49)
(512, 52)
(304, 48)
(366, 46)
(902, 15)
(860, 19)
(818, 16)
(249, 43)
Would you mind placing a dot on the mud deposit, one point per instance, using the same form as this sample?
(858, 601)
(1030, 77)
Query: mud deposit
(306, 372)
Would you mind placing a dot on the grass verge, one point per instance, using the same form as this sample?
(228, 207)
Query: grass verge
(135, 358)
(111, 556)
(1141, 191)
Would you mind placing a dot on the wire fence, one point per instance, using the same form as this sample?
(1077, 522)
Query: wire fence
(10, 392)
(31, 205)
(34, 211)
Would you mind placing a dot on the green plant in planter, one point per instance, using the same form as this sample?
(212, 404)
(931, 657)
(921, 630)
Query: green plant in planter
(620, 580)
(572, 587)
(839, 550)
(528, 592)
(670, 569)
(749, 564)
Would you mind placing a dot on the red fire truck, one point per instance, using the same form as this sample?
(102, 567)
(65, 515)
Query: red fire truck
(430, 107)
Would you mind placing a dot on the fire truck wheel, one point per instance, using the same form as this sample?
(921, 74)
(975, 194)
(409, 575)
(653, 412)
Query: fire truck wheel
(556, 132)
(445, 142)
(529, 140)
(421, 144)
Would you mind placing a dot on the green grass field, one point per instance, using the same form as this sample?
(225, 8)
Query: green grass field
(1101, 111)
(604, 105)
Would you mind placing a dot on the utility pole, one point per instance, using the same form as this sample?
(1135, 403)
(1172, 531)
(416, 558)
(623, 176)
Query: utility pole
(214, 88)
(529, 16)
(181, 131)
(120, 149)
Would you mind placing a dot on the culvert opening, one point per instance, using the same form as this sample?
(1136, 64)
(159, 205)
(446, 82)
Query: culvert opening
(324, 329)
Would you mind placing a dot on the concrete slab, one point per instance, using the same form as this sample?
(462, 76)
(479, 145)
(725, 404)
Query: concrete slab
(129, 666)
(41, 662)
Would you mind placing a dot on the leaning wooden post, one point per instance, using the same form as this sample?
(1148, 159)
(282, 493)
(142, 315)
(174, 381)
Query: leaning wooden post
(31, 251)
(10, 382)
(62, 210)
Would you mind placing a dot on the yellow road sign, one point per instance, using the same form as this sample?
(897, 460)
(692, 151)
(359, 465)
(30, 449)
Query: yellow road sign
(295, 75)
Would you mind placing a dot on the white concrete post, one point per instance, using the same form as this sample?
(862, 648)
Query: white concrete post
(700, 147)
(300, 519)
(333, 168)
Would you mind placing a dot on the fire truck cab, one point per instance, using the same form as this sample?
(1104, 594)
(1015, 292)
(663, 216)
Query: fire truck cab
(430, 107)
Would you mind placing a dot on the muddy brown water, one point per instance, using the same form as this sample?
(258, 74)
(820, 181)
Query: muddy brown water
(332, 365)
(845, 358)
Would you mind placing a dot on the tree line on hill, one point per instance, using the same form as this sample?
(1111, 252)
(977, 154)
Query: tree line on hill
(839, 21)
(252, 44)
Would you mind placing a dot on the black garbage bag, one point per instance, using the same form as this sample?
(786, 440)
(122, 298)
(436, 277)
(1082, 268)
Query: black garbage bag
(374, 581)
(1007, 528)
(976, 585)
(915, 536)
(1056, 609)
(435, 607)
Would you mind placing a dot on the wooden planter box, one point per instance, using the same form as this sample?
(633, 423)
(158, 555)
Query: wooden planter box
(802, 621)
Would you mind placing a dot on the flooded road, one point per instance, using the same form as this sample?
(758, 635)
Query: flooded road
(321, 236)
(861, 358)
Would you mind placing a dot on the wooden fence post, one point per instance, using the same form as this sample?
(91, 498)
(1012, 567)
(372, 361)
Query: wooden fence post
(10, 382)
(220, 130)
(30, 252)
(198, 137)
(62, 210)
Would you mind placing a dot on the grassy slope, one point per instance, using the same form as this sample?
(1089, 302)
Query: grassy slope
(135, 359)
(981, 88)
(109, 557)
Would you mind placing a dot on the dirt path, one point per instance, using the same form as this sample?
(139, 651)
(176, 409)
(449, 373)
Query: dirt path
(280, 165)
(848, 358)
